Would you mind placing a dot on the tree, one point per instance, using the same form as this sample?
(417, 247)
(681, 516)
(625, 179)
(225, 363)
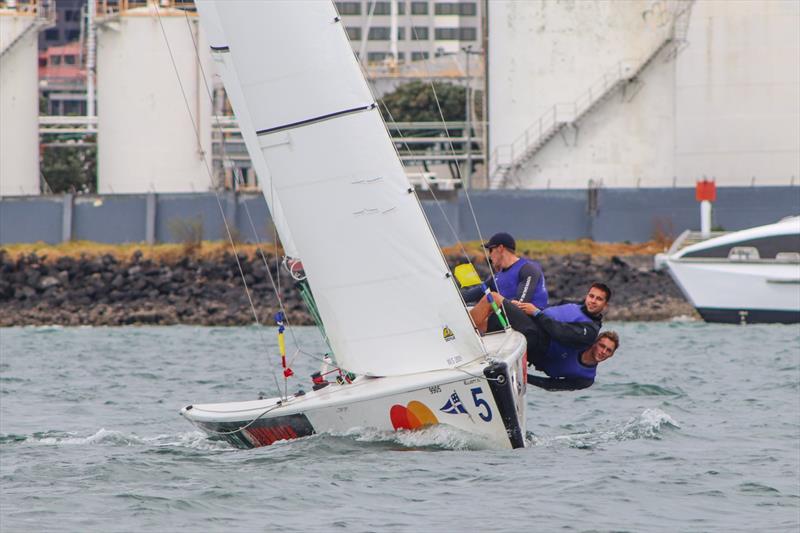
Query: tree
(415, 102)
(70, 168)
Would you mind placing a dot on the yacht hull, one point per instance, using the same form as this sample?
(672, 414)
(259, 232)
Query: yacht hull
(740, 292)
(749, 316)
(485, 397)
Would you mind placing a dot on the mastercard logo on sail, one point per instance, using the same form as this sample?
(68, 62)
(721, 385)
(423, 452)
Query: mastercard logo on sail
(412, 416)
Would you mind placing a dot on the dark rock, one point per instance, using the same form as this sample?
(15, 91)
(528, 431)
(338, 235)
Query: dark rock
(48, 281)
(24, 292)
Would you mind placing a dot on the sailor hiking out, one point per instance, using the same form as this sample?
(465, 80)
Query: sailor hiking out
(562, 340)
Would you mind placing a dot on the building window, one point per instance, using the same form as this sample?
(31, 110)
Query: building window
(73, 35)
(419, 8)
(385, 8)
(353, 33)
(446, 8)
(51, 35)
(456, 34)
(379, 34)
(419, 33)
(468, 34)
(401, 34)
(446, 34)
(381, 8)
(373, 57)
(55, 60)
(401, 56)
(72, 15)
(349, 8)
(468, 10)
(69, 60)
(73, 107)
(419, 56)
(455, 8)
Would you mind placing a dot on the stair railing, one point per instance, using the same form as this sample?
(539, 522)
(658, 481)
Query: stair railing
(505, 158)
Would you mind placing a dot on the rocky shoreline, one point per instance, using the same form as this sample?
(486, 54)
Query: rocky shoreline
(107, 291)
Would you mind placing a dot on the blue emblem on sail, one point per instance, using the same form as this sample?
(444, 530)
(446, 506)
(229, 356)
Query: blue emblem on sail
(454, 405)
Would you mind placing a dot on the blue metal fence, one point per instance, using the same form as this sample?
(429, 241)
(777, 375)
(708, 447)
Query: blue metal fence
(611, 215)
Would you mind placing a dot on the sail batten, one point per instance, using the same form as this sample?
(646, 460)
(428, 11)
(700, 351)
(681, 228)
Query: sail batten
(308, 121)
(379, 280)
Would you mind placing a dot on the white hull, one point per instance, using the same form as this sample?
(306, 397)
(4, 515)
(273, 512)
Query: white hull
(485, 397)
(739, 285)
(747, 276)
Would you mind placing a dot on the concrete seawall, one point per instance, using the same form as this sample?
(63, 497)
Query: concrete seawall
(109, 291)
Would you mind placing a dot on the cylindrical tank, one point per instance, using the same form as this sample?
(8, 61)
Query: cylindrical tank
(19, 103)
(152, 102)
(557, 62)
(643, 93)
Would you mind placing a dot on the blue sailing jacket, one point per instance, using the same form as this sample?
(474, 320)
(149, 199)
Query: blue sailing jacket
(523, 281)
(562, 359)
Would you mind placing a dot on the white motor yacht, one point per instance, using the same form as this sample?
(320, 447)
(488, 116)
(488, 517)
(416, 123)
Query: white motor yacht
(747, 276)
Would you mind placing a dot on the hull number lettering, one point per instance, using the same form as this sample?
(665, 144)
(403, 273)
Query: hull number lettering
(481, 404)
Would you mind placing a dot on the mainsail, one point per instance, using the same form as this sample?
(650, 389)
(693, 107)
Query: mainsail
(380, 282)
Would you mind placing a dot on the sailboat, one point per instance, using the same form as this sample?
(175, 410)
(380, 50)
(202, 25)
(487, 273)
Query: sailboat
(393, 316)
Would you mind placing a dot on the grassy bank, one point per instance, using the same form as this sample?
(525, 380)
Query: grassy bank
(211, 250)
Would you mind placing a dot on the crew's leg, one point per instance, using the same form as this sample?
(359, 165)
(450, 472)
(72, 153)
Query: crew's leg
(481, 312)
(538, 340)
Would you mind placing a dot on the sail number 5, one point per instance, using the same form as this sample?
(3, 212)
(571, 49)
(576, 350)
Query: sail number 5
(481, 403)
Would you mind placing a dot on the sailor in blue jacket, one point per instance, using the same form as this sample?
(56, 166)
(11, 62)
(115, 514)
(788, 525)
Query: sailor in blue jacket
(515, 278)
(569, 368)
(557, 336)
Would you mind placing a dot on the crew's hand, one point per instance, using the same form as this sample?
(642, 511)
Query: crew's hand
(527, 307)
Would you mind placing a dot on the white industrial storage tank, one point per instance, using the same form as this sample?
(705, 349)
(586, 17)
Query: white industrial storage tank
(19, 100)
(644, 93)
(154, 112)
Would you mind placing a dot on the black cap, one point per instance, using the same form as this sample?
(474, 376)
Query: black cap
(501, 238)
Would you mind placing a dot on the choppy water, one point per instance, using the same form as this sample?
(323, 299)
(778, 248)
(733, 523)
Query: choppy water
(691, 427)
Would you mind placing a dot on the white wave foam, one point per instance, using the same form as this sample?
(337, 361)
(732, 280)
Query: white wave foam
(438, 436)
(683, 318)
(45, 329)
(647, 425)
(195, 440)
(191, 439)
(103, 436)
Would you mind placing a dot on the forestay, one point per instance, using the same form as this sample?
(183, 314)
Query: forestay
(381, 284)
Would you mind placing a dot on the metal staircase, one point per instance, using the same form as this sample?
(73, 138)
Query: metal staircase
(45, 18)
(507, 159)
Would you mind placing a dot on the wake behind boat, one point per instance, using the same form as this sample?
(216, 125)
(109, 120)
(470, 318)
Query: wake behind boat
(388, 306)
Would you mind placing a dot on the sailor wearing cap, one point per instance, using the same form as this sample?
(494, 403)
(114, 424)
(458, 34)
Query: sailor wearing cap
(515, 278)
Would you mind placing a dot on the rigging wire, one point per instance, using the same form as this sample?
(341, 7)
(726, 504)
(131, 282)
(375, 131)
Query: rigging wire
(206, 165)
(453, 151)
(433, 194)
(276, 286)
(365, 73)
